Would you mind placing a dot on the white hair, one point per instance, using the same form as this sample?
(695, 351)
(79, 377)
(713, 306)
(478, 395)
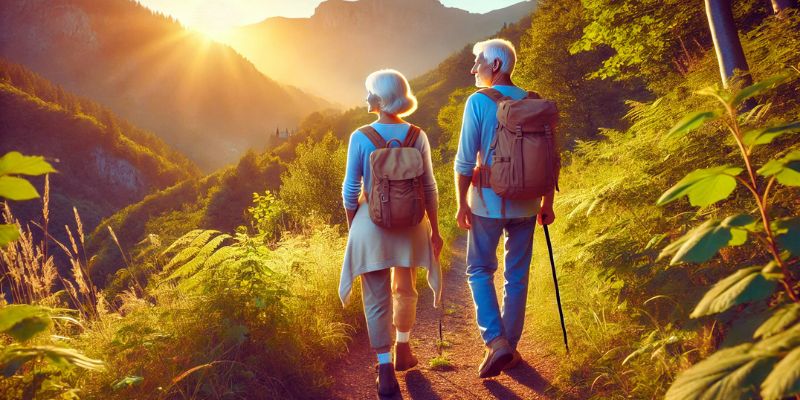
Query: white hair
(393, 90)
(497, 49)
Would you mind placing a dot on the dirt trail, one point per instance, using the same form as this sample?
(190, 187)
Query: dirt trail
(354, 375)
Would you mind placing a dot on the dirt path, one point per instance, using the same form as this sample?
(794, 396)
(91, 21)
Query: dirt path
(354, 375)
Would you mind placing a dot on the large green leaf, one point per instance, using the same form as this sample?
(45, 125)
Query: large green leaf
(8, 234)
(786, 170)
(767, 135)
(729, 374)
(787, 232)
(784, 380)
(703, 186)
(703, 242)
(24, 321)
(756, 89)
(14, 188)
(745, 285)
(15, 163)
(691, 122)
(783, 318)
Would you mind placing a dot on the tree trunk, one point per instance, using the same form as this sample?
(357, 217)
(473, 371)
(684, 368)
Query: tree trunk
(726, 43)
(780, 5)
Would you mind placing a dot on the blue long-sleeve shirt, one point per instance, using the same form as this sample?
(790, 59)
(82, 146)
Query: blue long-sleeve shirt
(358, 171)
(477, 133)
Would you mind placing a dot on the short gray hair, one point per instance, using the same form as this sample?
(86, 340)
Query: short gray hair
(497, 49)
(393, 90)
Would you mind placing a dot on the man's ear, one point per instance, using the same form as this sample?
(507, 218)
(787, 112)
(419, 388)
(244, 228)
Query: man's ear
(496, 65)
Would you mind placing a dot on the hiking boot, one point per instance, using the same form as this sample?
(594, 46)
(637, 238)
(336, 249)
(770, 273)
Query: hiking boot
(497, 357)
(514, 361)
(386, 381)
(403, 358)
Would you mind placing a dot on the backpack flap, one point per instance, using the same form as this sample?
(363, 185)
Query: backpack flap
(531, 114)
(398, 163)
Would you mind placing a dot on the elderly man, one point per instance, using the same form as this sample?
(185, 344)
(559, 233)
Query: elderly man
(487, 216)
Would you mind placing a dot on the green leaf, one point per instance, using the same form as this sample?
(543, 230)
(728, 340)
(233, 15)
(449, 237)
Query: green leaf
(756, 89)
(767, 135)
(745, 285)
(691, 122)
(787, 232)
(60, 356)
(784, 380)
(126, 382)
(8, 234)
(24, 321)
(14, 188)
(15, 163)
(729, 374)
(703, 186)
(783, 318)
(703, 242)
(786, 170)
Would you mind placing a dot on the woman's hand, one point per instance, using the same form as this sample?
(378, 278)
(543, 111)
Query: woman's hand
(350, 215)
(436, 243)
(546, 215)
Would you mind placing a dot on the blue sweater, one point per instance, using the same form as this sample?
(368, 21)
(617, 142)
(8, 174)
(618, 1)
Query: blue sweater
(477, 133)
(358, 172)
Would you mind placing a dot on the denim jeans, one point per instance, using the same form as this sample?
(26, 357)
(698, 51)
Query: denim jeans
(481, 265)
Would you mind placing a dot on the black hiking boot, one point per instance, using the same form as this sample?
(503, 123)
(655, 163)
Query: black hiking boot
(387, 382)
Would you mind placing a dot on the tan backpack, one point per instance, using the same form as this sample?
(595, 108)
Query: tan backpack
(525, 161)
(396, 198)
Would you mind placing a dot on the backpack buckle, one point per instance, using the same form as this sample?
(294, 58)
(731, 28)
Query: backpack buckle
(519, 130)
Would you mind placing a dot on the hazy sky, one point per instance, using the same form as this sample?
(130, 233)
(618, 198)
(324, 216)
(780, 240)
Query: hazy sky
(217, 15)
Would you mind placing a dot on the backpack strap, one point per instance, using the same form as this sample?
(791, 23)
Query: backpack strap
(373, 136)
(411, 136)
(492, 93)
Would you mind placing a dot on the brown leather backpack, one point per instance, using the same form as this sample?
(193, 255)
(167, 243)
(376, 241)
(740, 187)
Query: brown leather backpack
(525, 161)
(396, 198)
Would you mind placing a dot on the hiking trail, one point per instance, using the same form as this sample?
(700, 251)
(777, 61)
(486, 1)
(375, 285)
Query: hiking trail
(353, 376)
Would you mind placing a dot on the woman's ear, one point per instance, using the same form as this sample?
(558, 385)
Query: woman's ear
(374, 102)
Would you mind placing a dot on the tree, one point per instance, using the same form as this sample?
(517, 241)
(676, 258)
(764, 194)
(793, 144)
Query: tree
(730, 54)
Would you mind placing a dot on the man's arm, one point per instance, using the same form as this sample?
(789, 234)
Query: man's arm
(464, 213)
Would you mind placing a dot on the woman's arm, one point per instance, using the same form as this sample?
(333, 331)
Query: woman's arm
(431, 194)
(351, 186)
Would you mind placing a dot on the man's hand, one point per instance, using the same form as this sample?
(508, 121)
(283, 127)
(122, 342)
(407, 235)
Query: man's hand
(546, 215)
(464, 217)
(436, 243)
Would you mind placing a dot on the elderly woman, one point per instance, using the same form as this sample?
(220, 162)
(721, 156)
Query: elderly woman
(386, 258)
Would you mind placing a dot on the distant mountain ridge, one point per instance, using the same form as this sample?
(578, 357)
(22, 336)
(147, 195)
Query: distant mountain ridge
(104, 163)
(334, 50)
(199, 96)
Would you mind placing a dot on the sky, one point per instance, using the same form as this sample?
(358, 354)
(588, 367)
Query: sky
(216, 16)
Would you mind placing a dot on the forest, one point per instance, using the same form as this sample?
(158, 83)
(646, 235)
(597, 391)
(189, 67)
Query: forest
(677, 231)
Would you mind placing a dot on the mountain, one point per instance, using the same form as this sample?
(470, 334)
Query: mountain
(104, 163)
(198, 95)
(333, 51)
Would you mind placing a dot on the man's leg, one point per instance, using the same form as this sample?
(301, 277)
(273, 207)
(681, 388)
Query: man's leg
(481, 264)
(518, 250)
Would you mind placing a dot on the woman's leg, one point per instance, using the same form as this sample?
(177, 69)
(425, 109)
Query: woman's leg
(404, 295)
(376, 291)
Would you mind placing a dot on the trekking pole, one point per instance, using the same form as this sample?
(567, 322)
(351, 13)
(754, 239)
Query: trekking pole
(555, 281)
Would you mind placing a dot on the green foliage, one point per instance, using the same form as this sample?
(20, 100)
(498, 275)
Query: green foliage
(704, 186)
(738, 372)
(15, 188)
(745, 285)
(691, 122)
(311, 184)
(23, 321)
(703, 242)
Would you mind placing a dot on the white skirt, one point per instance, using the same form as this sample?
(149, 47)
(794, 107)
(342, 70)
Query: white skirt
(373, 248)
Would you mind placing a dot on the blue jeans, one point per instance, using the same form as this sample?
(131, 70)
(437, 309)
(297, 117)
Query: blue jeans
(481, 265)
